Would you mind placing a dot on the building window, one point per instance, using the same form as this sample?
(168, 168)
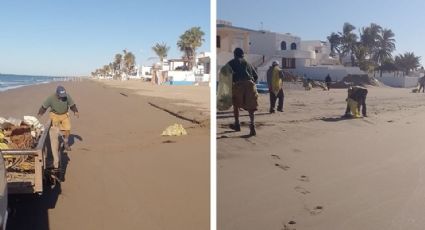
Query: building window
(218, 42)
(293, 46)
(316, 51)
(288, 63)
(283, 45)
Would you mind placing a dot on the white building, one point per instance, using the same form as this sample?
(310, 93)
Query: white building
(308, 59)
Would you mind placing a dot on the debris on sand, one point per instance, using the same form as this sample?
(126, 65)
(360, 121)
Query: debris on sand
(356, 79)
(174, 130)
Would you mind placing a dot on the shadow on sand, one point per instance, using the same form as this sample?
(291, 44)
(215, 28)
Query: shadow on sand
(230, 115)
(245, 136)
(31, 211)
(335, 119)
(72, 138)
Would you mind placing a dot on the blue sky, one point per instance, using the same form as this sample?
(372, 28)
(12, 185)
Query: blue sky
(313, 20)
(74, 37)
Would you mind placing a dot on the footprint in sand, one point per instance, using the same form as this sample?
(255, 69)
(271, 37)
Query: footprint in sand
(304, 178)
(316, 210)
(291, 225)
(296, 150)
(274, 156)
(284, 167)
(301, 190)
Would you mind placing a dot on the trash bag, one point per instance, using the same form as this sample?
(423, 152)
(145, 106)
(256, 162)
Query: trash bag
(3, 146)
(224, 91)
(174, 130)
(33, 122)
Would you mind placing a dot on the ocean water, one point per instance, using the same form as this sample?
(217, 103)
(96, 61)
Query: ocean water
(15, 81)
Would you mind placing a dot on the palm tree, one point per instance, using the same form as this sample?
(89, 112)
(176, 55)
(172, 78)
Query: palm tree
(161, 50)
(129, 61)
(407, 62)
(385, 45)
(117, 64)
(360, 52)
(348, 40)
(387, 65)
(189, 41)
(369, 37)
(335, 41)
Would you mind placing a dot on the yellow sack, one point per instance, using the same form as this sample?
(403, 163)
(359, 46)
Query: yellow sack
(1, 135)
(276, 80)
(353, 107)
(3, 146)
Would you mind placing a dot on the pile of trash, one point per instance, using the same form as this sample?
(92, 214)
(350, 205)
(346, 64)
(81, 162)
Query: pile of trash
(309, 84)
(351, 80)
(19, 134)
(174, 130)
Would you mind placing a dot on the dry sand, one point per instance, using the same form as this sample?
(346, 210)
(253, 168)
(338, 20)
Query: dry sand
(120, 174)
(309, 166)
(184, 95)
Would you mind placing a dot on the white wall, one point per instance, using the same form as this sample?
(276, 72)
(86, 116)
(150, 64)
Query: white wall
(262, 43)
(337, 73)
(267, 43)
(145, 69)
(398, 81)
(181, 75)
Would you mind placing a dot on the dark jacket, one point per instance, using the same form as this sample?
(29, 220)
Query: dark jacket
(242, 70)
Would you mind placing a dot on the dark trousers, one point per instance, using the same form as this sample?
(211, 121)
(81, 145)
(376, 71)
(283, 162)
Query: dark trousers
(273, 99)
(361, 101)
(328, 84)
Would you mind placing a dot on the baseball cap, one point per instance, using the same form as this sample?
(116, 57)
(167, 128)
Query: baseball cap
(60, 91)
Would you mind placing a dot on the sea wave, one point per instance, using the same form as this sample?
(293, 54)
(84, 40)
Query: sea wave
(8, 82)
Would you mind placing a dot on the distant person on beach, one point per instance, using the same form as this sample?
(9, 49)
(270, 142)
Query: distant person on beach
(421, 83)
(244, 90)
(59, 103)
(328, 81)
(357, 94)
(274, 81)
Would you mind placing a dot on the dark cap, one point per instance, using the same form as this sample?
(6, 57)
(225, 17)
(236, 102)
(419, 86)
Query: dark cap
(60, 91)
(238, 52)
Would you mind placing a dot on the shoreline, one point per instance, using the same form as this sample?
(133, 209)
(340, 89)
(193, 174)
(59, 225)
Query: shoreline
(55, 79)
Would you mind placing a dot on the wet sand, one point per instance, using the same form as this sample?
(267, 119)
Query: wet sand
(309, 166)
(120, 174)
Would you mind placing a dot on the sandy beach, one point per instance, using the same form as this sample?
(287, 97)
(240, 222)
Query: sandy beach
(308, 166)
(120, 174)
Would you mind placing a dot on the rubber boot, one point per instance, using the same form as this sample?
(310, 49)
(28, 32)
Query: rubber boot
(236, 126)
(252, 131)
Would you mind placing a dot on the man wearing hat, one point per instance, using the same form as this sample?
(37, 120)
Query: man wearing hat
(244, 90)
(59, 103)
(274, 81)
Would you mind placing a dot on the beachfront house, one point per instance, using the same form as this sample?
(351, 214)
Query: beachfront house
(309, 59)
(175, 72)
